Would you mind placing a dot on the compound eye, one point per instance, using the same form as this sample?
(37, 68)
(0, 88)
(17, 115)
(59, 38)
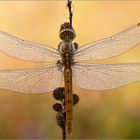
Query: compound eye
(66, 32)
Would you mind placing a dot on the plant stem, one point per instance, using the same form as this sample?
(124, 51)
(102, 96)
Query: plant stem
(70, 11)
(64, 133)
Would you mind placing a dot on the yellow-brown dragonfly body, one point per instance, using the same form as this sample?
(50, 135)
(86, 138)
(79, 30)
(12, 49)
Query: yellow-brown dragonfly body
(67, 48)
(68, 98)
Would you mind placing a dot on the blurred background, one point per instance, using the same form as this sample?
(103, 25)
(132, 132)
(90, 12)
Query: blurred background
(106, 114)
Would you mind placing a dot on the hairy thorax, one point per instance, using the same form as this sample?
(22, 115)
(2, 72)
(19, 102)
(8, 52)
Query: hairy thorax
(67, 50)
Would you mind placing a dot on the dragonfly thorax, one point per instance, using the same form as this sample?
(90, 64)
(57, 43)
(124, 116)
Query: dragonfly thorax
(67, 46)
(67, 50)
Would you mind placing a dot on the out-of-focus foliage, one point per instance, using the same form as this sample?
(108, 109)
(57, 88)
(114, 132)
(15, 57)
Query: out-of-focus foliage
(108, 114)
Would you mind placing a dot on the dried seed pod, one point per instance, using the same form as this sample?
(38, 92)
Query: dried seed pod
(58, 107)
(75, 99)
(58, 93)
(60, 117)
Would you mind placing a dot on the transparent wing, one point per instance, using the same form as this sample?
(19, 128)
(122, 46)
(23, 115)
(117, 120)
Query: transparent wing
(112, 46)
(105, 76)
(34, 80)
(26, 50)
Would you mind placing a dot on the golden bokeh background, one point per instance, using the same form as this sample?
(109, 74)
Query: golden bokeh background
(107, 114)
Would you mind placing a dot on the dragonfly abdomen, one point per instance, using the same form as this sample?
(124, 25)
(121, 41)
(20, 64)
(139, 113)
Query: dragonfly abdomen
(68, 99)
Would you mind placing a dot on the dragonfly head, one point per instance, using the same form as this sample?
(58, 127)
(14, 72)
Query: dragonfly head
(67, 32)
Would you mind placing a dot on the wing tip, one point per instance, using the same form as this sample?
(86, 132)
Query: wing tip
(138, 24)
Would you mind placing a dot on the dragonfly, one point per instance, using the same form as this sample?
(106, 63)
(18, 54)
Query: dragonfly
(70, 62)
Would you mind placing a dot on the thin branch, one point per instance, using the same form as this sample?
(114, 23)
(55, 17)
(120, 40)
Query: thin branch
(64, 133)
(69, 2)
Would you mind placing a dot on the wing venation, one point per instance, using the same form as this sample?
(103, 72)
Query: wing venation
(26, 50)
(111, 46)
(32, 81)
(105, 76)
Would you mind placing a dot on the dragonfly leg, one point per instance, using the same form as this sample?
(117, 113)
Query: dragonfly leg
(75, 46)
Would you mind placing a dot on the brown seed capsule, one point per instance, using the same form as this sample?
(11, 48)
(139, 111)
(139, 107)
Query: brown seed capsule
(57, 107)
(58, 93)
(61, 120)
(75, 99)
